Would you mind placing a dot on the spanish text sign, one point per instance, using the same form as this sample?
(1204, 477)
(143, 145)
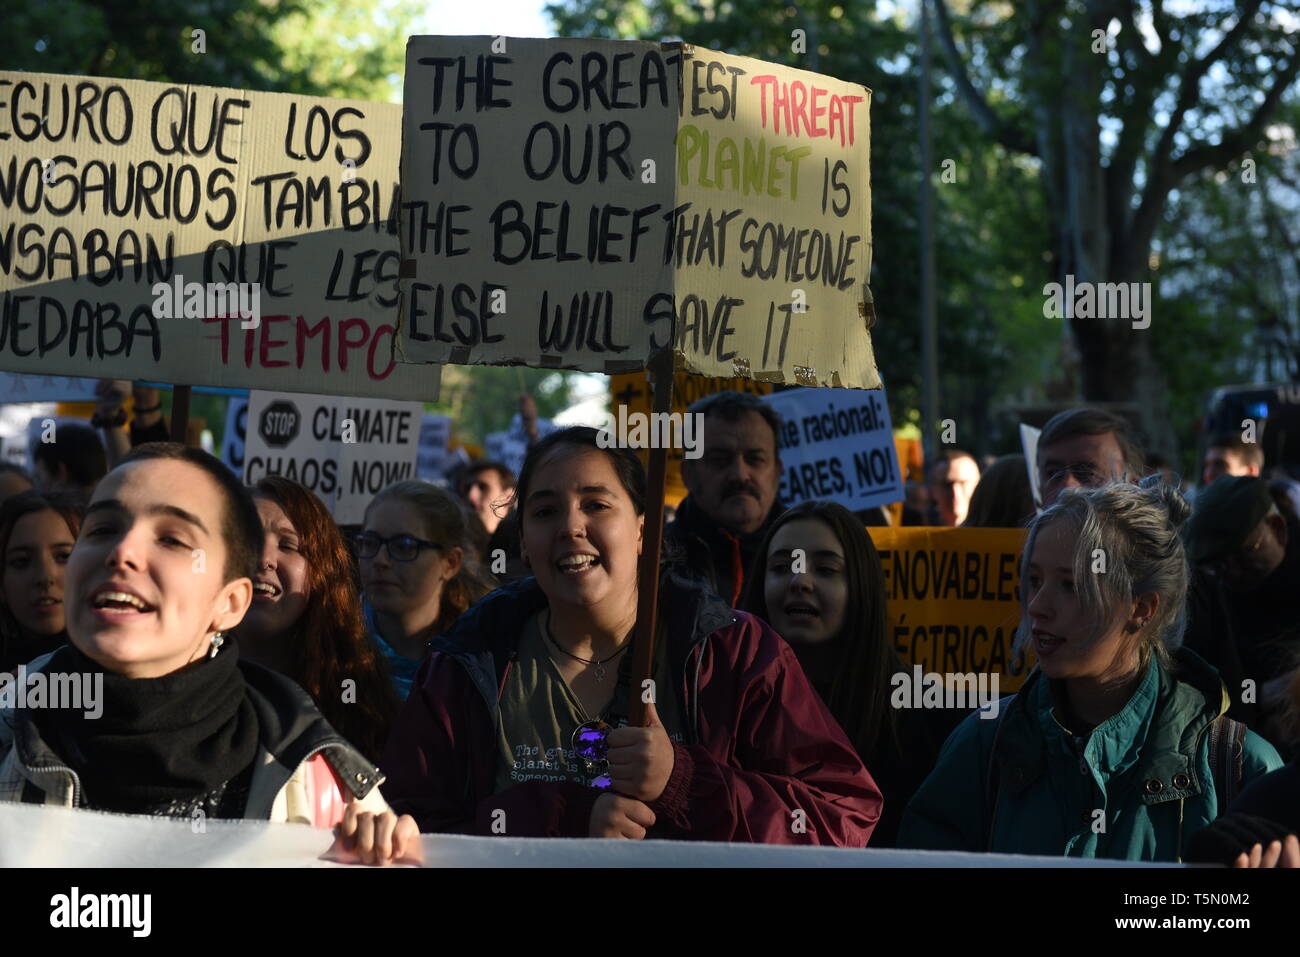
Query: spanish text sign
(837, 445)
(954, 598)
(140, 223)
(344, 450)
(583, 203)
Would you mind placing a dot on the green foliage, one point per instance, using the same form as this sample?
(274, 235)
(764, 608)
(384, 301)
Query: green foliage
(483, 399)
(328, 48)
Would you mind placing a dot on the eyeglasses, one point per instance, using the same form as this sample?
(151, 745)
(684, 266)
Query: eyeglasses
(591, 747)
(401, 548)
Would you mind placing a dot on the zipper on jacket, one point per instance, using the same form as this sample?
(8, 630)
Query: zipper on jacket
(76, 781)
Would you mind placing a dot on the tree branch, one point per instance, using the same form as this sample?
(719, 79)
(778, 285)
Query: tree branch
(996, 127)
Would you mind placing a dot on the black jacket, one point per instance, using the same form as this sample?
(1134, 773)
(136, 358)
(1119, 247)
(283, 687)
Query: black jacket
(712, 553)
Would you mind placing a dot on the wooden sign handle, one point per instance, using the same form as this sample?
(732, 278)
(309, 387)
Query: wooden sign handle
(660, 371)
(180, 413)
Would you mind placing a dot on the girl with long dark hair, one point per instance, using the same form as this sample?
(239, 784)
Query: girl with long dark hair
(517, 722)
(37, 533)
(305, 620)
(818, 581)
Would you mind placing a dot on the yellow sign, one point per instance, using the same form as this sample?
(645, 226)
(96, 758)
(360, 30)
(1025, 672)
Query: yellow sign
(954, 599)
(632, 390)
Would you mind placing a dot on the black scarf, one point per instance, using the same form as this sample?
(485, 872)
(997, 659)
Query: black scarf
(157, 740)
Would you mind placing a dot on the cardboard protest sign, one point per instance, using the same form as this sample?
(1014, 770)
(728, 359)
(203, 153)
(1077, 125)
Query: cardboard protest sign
(139, 221)
(344, 450)
(837, 445)
(584, 203)
(954, 602)
(630, 389)
(15, 387)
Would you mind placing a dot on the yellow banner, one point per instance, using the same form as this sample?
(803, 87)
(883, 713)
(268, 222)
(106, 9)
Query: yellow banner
(954, 599)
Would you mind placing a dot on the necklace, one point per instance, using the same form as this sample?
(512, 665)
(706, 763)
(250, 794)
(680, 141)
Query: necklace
(600, 665)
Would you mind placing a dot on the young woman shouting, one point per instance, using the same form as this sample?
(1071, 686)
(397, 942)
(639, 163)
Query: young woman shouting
(516, 723)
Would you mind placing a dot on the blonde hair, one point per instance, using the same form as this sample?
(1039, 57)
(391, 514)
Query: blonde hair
(1134, 530)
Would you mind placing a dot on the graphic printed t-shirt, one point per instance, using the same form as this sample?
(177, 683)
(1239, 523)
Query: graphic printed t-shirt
(538, 713)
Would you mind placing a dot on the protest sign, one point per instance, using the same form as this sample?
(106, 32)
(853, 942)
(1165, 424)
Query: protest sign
(510, 447)
(1029, 443)
(837, 445)
(954, 602)
(15, 387)
(137, 221)
(344, 450)
(434, 456)
(584, 203)
(629, 389)
(233, 436)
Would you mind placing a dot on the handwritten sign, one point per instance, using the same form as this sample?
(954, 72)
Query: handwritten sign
(837, 445)
(954, 599)
(118, 197)
(584, 203)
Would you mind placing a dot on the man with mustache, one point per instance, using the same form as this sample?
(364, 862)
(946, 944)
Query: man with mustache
(732, 490)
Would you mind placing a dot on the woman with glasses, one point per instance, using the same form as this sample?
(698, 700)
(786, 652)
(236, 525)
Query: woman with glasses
(306, 621)
(517, 723)
(414, 572)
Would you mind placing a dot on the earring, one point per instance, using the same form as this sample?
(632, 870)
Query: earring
(217, 641)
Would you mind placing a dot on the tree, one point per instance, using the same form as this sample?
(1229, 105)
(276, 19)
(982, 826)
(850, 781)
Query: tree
(1120, 102)
(328, 48)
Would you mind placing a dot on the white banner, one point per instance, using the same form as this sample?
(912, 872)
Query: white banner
(17, 387)
(837, 445)
(344, 450)
(36, 836)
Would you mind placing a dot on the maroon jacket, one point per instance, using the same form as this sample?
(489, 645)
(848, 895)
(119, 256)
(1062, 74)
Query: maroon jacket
(760, 747)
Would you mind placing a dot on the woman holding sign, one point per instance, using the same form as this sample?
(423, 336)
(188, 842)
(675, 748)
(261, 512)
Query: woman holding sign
(170, 722)
(516, 722)
(818, 581)
(1116, 746)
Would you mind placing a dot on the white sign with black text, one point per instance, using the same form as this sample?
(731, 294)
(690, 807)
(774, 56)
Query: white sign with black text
(345, 450)
(837, 445)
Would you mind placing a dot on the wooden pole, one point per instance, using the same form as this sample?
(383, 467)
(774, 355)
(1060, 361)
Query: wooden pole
(180, 413)
(660, 371)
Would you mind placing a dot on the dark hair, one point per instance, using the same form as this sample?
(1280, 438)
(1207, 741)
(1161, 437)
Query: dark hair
(445, 520)
(78, 448)
(1251, 453)
(859, 694)
(330, 638)
(241, 528)
(952, 455)
(1085, 421)
(1002, 499)
(631, 474)
(16, 507)
(504, 475)
(730, 406)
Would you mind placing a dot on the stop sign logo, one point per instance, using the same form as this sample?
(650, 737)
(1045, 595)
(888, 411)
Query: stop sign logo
(279, 424)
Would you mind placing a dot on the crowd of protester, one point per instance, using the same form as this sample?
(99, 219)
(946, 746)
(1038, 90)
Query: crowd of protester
(461, 662)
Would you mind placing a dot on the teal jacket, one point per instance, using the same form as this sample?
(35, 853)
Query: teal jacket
(1140, 789)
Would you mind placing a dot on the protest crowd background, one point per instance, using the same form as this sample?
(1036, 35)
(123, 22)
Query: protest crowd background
(1021, 582)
